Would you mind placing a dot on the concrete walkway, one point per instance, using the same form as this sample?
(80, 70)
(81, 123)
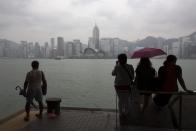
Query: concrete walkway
(84, 119)
(105, 120)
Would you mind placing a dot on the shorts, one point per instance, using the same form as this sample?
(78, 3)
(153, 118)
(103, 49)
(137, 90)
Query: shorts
(34, 93)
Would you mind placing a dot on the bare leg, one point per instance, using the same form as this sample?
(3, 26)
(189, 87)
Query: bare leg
(27, 109)
(173, 115)
(145, 102)
(40, 110)
(173, 101)
(34, 105)
(40, 107)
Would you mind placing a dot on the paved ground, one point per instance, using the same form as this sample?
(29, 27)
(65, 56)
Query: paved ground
(78, 119)
(75, 120)
(16, 123)
(92, 120)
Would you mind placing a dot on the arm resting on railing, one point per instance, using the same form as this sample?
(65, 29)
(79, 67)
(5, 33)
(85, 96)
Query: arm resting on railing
(182, 83)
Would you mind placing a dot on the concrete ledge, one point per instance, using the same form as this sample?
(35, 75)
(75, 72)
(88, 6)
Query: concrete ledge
(15, 114)
(11, 116)
(88, 109)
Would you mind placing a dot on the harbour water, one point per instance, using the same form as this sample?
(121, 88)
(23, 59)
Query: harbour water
(80, 83)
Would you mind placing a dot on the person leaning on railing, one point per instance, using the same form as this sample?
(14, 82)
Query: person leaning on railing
(168, 75)
(124, 75)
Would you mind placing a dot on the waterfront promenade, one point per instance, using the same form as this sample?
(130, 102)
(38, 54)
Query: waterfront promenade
(88, 119)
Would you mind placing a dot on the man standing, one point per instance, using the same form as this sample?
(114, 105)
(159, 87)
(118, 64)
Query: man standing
(34, 81)
(169, 74)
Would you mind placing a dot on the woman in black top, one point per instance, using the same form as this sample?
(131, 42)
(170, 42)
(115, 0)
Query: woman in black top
(145, 75)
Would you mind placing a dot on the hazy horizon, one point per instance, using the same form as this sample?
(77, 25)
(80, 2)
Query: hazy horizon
(39, 20)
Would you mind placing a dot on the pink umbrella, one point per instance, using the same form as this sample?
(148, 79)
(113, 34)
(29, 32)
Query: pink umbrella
(147, 52)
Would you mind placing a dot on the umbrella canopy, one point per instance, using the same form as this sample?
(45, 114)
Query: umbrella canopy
(147, 52)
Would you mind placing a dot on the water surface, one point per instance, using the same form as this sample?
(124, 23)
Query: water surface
(80, 83)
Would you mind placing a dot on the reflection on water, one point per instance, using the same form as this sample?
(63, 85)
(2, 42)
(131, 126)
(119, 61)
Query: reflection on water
(80, 83)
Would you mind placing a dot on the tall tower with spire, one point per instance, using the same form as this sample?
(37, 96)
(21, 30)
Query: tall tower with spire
(96, 37)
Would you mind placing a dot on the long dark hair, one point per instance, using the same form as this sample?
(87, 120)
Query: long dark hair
(144, 63)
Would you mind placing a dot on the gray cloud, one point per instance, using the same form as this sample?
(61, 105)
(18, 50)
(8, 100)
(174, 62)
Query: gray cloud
(83, 2)
(15, 7)
(131, 19)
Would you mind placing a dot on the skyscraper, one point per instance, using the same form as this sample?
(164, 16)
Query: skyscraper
(52, 50)
(46, 50)
(52, 43)
(69, 49)
(96, 37)
(60, 46)
(24, 49)
(90, 43)
(37, 50)
(77, 47)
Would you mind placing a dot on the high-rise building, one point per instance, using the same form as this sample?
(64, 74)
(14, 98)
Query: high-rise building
(116, 47)
(52, 50)
(77, 48)
(46, 50)
(52, 42)
(60, 46)
(107, 45)
(37, 50)
(93, 42)
(24, 49)
(31, 50)
(90, 43)
(69, 49)
(96, 37)
(175, 49)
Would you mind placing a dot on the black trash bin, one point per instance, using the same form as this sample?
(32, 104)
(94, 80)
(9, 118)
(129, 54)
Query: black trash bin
(53, 105)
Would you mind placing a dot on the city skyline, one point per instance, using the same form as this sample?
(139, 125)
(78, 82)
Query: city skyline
(182, 47)
(39, 20)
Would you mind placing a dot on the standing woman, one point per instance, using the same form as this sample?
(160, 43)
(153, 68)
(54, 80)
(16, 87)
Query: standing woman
(145, 75)
(124, 75)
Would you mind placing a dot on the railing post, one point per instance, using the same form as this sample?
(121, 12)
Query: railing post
(116, 112)
(180, 111)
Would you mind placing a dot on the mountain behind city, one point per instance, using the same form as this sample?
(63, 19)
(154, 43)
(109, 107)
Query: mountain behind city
(182, 47)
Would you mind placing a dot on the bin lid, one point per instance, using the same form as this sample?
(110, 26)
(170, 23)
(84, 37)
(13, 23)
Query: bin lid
(53, 99)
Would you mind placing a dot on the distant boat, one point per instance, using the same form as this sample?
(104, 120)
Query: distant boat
(59, 58)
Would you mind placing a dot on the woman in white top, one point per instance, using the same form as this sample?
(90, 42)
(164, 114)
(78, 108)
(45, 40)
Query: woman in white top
(124, 75)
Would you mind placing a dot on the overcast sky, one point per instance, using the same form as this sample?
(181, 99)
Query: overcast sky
(39, 20)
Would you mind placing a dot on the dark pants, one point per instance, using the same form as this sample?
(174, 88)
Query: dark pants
(162, 99)
(124, 101)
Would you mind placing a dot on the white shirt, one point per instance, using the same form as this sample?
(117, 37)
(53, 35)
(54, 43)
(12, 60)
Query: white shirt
(122, 78)
(34, 79)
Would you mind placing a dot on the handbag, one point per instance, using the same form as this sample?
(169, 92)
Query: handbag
(133, 90)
